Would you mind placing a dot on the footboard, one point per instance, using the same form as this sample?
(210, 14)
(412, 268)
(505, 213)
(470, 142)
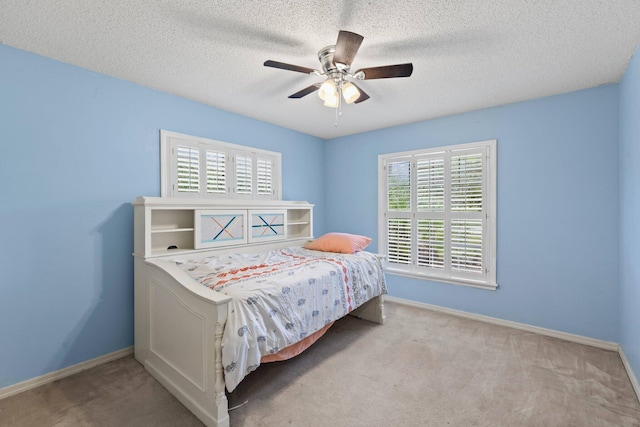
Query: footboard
(178, 333)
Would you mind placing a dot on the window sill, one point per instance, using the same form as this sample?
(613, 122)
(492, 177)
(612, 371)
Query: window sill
(463, 282)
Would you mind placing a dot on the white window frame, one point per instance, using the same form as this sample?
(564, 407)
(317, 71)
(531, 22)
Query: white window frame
(487, 278)
(169, 141)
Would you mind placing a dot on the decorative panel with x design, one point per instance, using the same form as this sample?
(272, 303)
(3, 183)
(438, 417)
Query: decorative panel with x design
(221, 228)
(267, 225)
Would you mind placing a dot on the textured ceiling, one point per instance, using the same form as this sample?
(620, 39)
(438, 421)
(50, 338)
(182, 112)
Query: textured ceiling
(467, 54)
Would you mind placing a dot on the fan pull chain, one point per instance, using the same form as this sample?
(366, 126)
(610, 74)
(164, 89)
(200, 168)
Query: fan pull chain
(339, 109)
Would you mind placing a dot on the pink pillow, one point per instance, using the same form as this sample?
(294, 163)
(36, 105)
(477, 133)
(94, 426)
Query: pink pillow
(343, 243)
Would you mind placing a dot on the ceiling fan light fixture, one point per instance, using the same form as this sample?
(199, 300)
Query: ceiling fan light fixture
(327, 90)
(350, 92)
(336, 63)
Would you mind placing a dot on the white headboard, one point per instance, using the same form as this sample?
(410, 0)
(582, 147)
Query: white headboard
(167, 227)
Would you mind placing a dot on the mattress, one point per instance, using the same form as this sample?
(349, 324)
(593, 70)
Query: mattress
(281, 296)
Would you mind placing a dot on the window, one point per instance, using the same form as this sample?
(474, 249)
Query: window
(437, 213)
(200, 167)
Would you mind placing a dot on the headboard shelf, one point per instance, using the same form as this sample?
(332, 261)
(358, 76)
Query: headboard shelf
(171, 230)
(174, 226)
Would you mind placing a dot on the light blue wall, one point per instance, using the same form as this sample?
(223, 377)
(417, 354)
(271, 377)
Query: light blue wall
(77, 147)
(630, 213)
(557, 220)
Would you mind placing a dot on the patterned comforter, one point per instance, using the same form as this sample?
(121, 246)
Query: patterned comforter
(281, 296)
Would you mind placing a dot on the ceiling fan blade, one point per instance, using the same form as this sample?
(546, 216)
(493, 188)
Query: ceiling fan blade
(387, 71)
(363, 96)
(304, 92)
(346, 48)
(283, 66)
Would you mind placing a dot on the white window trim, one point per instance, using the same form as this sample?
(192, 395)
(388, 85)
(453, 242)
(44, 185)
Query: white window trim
(489, 236)
(169, 140)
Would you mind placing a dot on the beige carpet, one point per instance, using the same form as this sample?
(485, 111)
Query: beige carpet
(420, 369)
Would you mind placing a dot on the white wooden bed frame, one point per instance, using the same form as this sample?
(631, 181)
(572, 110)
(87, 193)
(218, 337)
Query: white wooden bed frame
(178, 322)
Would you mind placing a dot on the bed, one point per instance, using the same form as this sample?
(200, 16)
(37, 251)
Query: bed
(206, 318)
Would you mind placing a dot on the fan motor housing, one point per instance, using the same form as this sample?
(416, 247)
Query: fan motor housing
(325, 56)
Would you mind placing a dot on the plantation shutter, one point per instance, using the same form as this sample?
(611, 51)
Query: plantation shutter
(399, 226)
(216, 172)
(466, 182)
(198, 167)
(430, 207)
(265, 176)
(430, 184)
(466, 246)
(430, 242)
(188, 168)
(399, 185)
(244, 175)
(399, 240)
(466, 199)
(436, 213)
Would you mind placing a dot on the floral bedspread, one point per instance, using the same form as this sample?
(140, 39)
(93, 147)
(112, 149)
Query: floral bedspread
(281, 296)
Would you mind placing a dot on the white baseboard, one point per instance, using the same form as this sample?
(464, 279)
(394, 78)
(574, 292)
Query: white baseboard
(606, 345)
(70, 370)
(632, 376)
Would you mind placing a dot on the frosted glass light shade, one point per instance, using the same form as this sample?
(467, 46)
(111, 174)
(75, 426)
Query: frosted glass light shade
(331, 101)
(350, 92)
(327, 89)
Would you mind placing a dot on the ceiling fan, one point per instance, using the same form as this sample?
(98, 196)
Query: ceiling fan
(336, 64)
